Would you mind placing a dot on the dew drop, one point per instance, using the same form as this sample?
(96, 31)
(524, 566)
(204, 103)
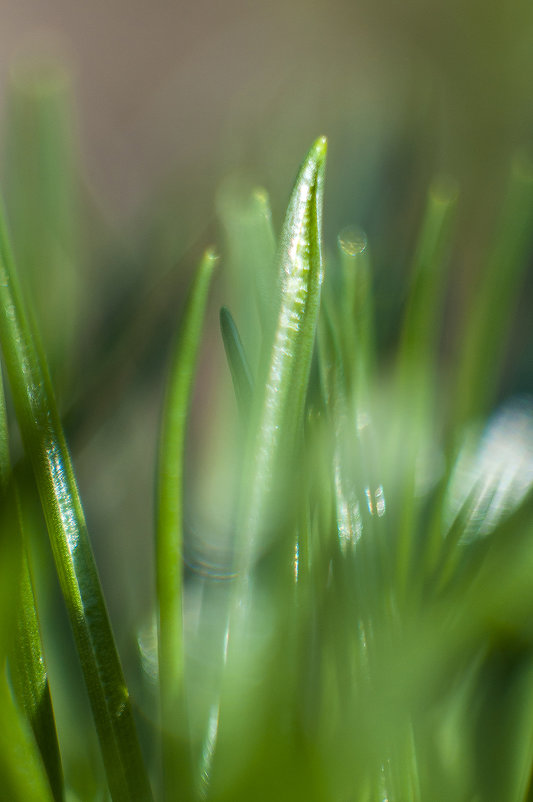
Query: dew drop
(352, 241)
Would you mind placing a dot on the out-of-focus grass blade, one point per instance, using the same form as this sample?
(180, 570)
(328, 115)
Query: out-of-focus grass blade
(170, 533)
(28, 670)
(44, 441)
(506, 694)
(251, 259)
(264, 257)
(41, 187)
(238, 364)
(490, 479)
(22, 774)
(483, 342)
(493, 472)
(348, 521)
(276, 426)
(357, 317)
(426, 294)
(279, 408)
(414, 373)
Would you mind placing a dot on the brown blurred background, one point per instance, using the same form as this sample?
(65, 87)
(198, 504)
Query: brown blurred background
(187, 89)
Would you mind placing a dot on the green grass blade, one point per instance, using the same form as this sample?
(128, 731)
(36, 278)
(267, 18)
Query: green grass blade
(170, 532)
(21, 771)
(483, 342)
(335, 401)
(356, 310)
(28, 669)
(45, 444)
(238, 363)
(264, 255)
(275, 430)
(425, 301)
(251, 259)
(280, 409)
(41, 184)
(30, 682)
(414, 372)
(22, 774)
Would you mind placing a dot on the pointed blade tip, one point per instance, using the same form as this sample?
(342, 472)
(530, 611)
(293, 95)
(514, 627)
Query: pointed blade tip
(320, 148)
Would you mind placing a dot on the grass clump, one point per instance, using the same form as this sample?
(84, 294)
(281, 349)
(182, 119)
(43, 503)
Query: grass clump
(365, 634)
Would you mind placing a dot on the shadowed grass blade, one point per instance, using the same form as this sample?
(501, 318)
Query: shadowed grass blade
(238, 364)
(169, 545)
(45, 444)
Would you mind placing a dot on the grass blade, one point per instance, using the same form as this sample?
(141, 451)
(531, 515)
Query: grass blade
(23, 776)
(280, 409)
(425, 302)
(238, 363)
(484, 337)
(42, 187)
(170, 532)
(30, 682)
(356, 311)
(28, 669)
(251, 258)
(21, 770)
(348, 527)
(414, 372)
(276, 426)
(45, 444)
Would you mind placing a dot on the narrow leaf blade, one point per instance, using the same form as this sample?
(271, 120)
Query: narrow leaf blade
(484, 338)
(170, 530)
(28, 668)
(279, 411)
(237, 361)
(45, 444)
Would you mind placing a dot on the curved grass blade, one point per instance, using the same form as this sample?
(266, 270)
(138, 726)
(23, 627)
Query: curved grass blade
(45, 444)
(238, 364)
(176, 766)
(279, 410)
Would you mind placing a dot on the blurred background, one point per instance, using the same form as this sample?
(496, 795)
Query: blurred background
(124, 123)
(173, 95)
